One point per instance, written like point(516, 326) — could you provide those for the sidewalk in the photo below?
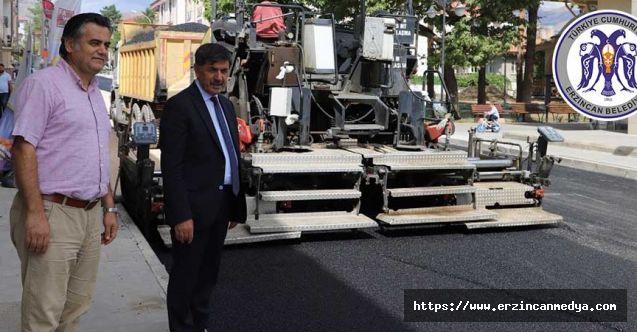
point(131, 284)
point(591, 150)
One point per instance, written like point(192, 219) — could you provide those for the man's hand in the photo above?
point(232, 225)
point(110, 228)
point(184, 231)
point(37, 227)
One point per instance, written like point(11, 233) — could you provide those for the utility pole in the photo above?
point(14, 24)
point(504, 95)
point(239, 11)
point(213, 11)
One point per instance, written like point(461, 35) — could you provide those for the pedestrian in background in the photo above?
point(200, 169)
point(61, 160)
point(490, 122)
point(6, 85)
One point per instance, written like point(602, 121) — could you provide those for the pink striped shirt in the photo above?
point(70, 130)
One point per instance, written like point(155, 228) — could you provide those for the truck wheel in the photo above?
point(117, 113)
point(147, 113)
point(136, 115)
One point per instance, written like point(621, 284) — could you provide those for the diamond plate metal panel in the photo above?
point(363, 127)
point(317, 221)
point(426, 157)
point(317, 161)
point(418, 166)
point(415, 160)
point(434, 215)
point(307, 195)
point(502, 193)
point(316, 156)
point(311, 168)
point(365, 152)
point(240, 235)
point(430, 191)
point(518, 217)
point(352, 96)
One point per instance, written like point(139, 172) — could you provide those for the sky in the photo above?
point(553, 13)
point(122, 5)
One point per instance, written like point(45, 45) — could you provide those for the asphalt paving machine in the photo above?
point(334, 138)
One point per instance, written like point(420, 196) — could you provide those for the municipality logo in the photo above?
point(594, 65)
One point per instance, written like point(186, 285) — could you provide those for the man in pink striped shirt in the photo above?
point(61, 158)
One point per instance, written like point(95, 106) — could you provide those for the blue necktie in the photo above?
point(234, 163)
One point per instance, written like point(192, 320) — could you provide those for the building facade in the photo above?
point(173, 12)
point(8, 31)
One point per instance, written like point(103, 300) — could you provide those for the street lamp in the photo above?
point(433, 12)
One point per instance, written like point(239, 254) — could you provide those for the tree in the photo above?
point(526, 86)
point(147, 16)
point(223, 6)
point(36, 24)
point(487, 31)
point(342, 9)
point(116, 17)
point(474, 42)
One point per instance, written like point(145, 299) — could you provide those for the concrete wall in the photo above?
point(5, 30)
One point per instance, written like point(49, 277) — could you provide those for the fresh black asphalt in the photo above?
point(356, 281)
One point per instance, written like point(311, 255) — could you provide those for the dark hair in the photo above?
point(211, 53)
point(74, 27)
point(2, 64)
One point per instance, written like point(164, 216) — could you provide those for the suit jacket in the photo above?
point(192, 161)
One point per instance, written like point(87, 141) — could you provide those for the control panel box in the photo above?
point(378, 40)
point(144, 133)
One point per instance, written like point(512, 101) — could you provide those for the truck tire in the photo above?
point(136, 114)
point(117, 113)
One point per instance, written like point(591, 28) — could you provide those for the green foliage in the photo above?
point(474, 41)
point(224, 7)
point(115, 16)
point(349, 9)
point(147, 16)
point(36, 24)
point(496, 80)
point(112, 13)
point(467, 80)
point(37, 13)
point(417, 80)
point(342, 10)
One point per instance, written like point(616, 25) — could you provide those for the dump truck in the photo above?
point(334, 138)
point(153, 63)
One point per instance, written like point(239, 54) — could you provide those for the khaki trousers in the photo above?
point(57, 286)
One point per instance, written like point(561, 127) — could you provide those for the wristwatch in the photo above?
point(110, 210)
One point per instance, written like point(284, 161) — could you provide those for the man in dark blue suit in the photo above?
point(200, 168)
